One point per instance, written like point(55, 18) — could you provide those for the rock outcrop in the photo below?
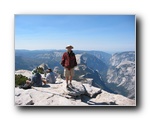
point(121, 76)
point(81, 94)
point(26, 73)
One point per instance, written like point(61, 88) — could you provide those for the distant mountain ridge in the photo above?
point(113, 73)
point(28, 59)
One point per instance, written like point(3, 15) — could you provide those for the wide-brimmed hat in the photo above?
point(69, 46)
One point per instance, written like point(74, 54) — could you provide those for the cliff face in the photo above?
point(81, 94)
point(121, 74)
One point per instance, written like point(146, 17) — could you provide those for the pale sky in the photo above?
point(84, 32)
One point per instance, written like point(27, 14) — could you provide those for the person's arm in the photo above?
point(75, 61)
point(31, 81)
point(63, 60)
point(46, 78)
point(56, 75)
point(44, 81)
point(28, 81)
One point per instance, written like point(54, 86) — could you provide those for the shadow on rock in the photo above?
point(46, 86)
point(101, 103)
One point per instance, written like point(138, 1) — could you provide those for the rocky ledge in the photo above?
point(80, 94)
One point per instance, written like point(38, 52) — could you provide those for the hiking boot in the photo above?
point(67, 86)
point(71, 85)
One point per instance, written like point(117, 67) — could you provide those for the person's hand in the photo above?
point(28, 82)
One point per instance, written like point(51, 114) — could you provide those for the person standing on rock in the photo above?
point(69, 62)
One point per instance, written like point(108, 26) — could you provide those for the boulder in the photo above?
point(77, 89)
point(106, 98)
point(22, 97)
point(91, 91)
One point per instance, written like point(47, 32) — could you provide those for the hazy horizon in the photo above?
point(110, 52)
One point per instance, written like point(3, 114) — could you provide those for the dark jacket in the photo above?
point(36, 80)
point(69, 60)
